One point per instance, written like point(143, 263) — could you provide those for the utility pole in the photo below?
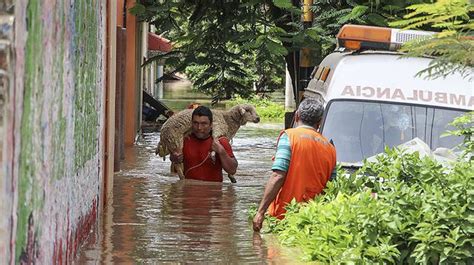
point(304, 63)
point(306, 54)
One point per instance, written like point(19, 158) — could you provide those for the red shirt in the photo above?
point(197, 158)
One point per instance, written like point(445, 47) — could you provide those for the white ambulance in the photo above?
point(374, 99)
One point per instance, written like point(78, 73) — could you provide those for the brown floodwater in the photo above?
point(154, 217)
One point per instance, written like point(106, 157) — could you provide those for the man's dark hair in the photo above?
point(203, 111)
point(311, 111)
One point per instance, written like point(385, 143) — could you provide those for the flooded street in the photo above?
point(154, 217)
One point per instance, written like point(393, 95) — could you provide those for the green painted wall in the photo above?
point(60, 90)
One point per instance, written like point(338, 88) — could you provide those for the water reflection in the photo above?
point(197, 212)
point(155, 218)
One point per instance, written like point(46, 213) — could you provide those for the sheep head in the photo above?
point(247, 114)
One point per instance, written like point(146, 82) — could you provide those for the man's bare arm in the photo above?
point(272, 188)
point(229, 164)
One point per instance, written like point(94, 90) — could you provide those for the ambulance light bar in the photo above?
point(357, 37)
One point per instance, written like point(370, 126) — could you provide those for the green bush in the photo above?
point(400, 209)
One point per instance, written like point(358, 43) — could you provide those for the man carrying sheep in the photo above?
point(303, 163)
point(197, 157)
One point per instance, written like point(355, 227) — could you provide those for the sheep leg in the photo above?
point(158, 149)
point(232, 179)
point(179, 168)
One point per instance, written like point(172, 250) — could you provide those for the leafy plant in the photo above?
point(453, 47)
point(465, 129)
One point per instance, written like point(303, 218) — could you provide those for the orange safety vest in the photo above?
point(312, 161)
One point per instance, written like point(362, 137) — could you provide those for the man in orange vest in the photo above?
point(303, 163)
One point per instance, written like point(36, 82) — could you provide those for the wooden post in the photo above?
point(121, 77)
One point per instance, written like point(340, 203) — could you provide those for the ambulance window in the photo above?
point(362, 129)
point(442, 118)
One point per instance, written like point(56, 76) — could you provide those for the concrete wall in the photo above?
point(6, 81)
point(55, 129)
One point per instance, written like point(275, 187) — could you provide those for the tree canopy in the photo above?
point(226, 46)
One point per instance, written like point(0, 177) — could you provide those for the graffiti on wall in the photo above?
point(59, 96)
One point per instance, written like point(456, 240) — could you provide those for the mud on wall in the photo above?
point(56, 127)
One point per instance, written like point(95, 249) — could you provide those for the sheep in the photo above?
point(225, 123)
